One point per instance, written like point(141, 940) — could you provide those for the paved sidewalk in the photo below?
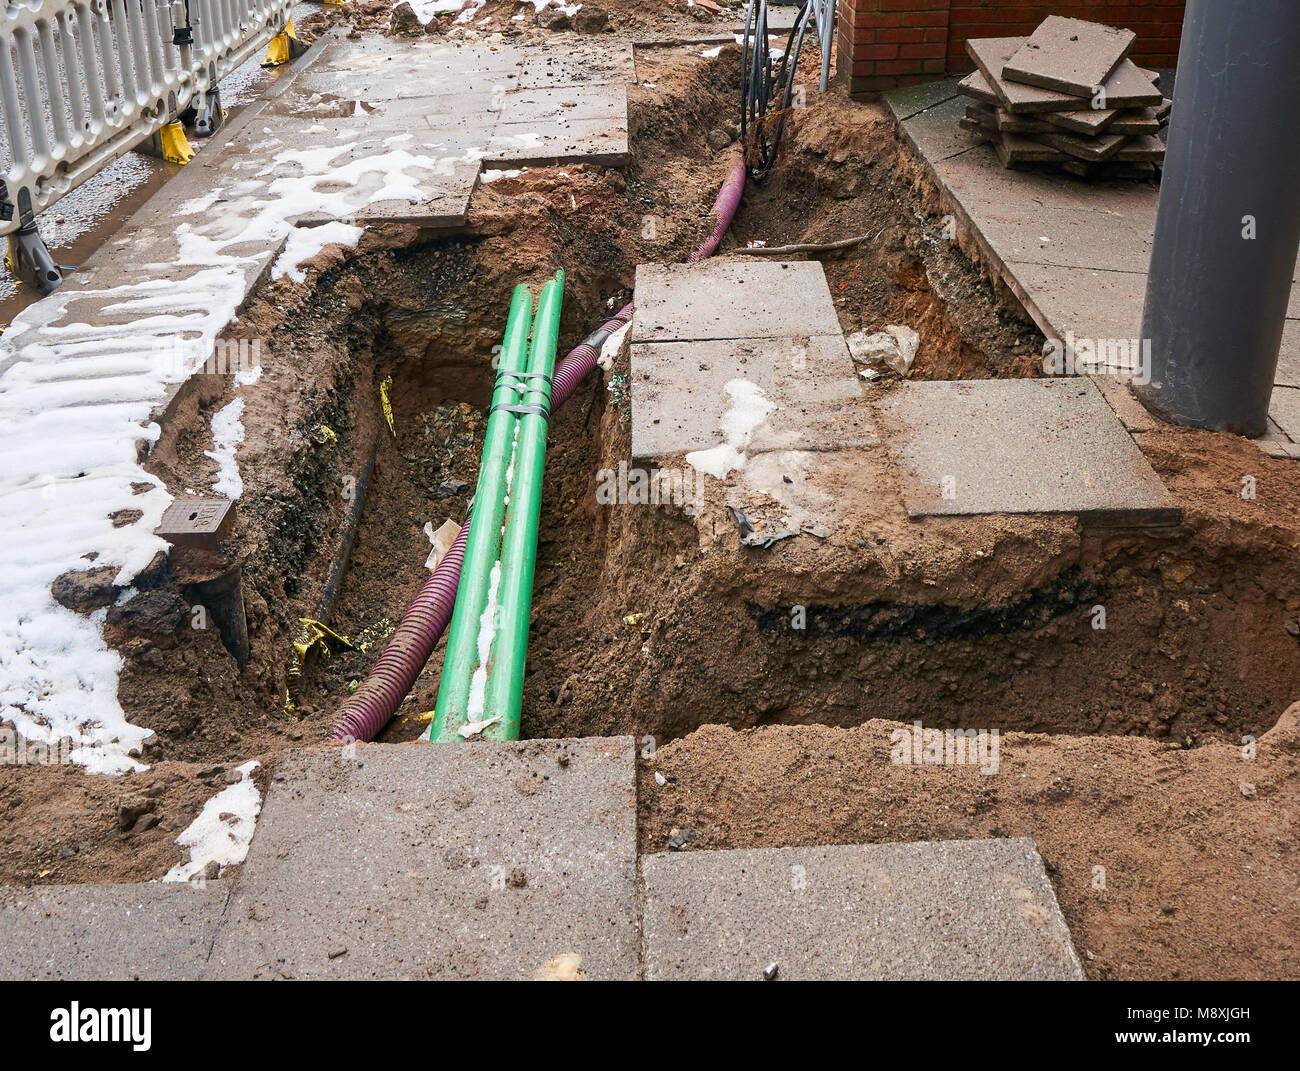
point(1075, 254)
point(518, 860)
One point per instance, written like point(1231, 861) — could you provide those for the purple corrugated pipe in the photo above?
point(724, 208)
point(373, 704)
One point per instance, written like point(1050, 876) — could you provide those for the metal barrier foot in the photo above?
point(284, 47)
point(30, 262)
point(172, 144)
point(208, 114)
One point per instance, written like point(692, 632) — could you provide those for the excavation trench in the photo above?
point(642, 623)
point(760, 674)
point(649, 620)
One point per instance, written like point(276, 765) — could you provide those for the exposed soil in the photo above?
point(1167, 863)
point(657, 624)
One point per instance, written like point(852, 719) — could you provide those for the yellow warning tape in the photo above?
point(384, 401)
point(316, 637)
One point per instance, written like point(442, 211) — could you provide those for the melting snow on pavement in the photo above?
point(747, 411)
point(75, 397)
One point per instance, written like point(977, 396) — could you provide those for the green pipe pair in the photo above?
point(483, 669)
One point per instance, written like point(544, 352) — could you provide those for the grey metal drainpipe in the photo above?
point(1228, 221)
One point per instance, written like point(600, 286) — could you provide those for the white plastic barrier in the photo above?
point(83, 81)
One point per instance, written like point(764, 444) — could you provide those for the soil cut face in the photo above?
point(1121, 746)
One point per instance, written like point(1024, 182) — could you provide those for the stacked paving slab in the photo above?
point(1067, 97)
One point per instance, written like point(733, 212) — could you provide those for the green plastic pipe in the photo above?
point(482, 549)
point(505, 681)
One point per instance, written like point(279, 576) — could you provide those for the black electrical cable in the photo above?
point(762, 84)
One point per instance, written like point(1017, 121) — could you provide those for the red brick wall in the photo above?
point(887, 43)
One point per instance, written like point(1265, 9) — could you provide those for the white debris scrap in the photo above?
point(440, 541)
point(227, 434)
point(896, 346)
point(612, 345)
point(223, 830)
point(748, 409)
point(474, 728)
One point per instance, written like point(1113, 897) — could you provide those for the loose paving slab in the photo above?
point(1088, 279)
point(1021, 446)
point(482, 860)
point(938, 910)
point(680, 401)
point(162, 931)
point(1069, 55)
point(699, 329)
point(732, 299)
point(1126, 87)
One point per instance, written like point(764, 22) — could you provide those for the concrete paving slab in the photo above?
point(1021, 446)
point(160, 931)
point(911, 100)
point(1284, 408)
point(780, 17)
point(1068, 238)
point(1089, 121)
point(476, 860)
point(732, 299)
point(1086, 147)
point(976, 86)
point(1127, 87)
point(578, 63)
point(578, 141)
point(979, 184)
point(1288, 356)
point(606, 100)
point(937, 910)
point(1069, 55)
point(1016, 149)
point(1087, 302)
point(997, 119)
point(938, 133)
point(680, 400)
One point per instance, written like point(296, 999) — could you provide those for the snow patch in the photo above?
point(223, 830)
point(748, 409)
point(487, 629)
point(227, 434)
point(305, 242)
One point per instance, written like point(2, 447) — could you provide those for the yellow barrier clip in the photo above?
point(175, 145)
point(283, 47)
